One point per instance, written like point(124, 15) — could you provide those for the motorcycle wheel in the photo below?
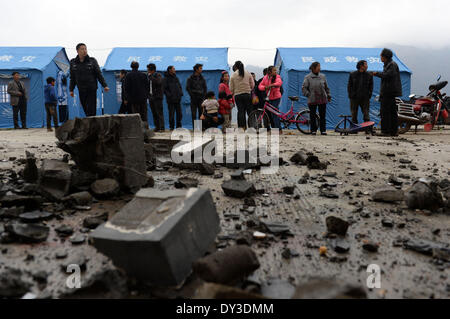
point(404, 128)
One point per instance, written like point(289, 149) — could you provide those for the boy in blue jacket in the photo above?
point(50, 103)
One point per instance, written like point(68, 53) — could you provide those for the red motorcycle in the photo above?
point(430, 110)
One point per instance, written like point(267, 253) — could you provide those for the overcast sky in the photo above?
point(261, 25)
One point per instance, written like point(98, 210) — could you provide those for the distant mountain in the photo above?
point(426, 65)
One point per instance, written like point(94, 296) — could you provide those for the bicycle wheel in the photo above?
point(258, 120)
point(304, 122)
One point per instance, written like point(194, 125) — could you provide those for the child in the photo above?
point(210, 115)
point(225, 107)
point(50, 104)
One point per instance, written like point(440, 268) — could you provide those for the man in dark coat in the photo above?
point(391, 87)
point(174, 93)
point(18, 97)
point(84, 74)
point(197, 89)
point(156, 96)
point(123, 106)
point(360, 90)
point(136, 92)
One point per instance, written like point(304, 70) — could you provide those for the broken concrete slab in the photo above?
point(55, 179)
point(112, 146)
point(159, 234)
point(388, 194)
point(238, 188)
point(105, 188)
point(228, 265)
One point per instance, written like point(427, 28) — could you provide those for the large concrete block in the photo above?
point(159, 234)
point(112, 146)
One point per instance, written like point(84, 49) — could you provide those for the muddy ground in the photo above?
point(405, 274)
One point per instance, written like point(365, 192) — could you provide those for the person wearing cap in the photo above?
point(391, 87)
point(19, 97)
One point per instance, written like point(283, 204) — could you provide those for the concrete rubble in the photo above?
point(110, 146)
point(158, 235)
point(228, 265)
point(140, 224)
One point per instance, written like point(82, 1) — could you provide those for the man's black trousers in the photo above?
point(88, 99)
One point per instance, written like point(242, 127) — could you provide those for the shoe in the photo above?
point(314, 134)
point(49, 130)
point(25, 128)
point(324, 134)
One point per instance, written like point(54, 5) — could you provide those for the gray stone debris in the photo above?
point(28, 233)
point(337, 226)
point(238, 188)
point(228, 265)
point(424, 195)
point(388, 194)
point(30, 172)
point(105, 188)
point(55, 179)
point(159, 234)
point(111, 146)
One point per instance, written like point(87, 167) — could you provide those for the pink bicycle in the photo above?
point(259, 119)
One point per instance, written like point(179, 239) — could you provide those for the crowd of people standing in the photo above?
point(240, 90)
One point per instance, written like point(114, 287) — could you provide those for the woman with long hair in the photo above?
point(272, 83)
point(315, 88)
point(241, 86)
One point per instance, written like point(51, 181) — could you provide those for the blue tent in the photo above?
point(337, 64)
point(214, 61)
point(35, 64)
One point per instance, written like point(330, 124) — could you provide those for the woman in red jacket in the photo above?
point(226, 101)
point(272, 82)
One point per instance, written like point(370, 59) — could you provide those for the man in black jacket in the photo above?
point(391, 87)
point(174, 93)
point(197, 89)
point(136, 92)
point(84, 73)
point(360, 90)
point(156, 96)
point(124, 105)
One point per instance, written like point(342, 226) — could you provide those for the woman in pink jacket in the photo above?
point(272, 82)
